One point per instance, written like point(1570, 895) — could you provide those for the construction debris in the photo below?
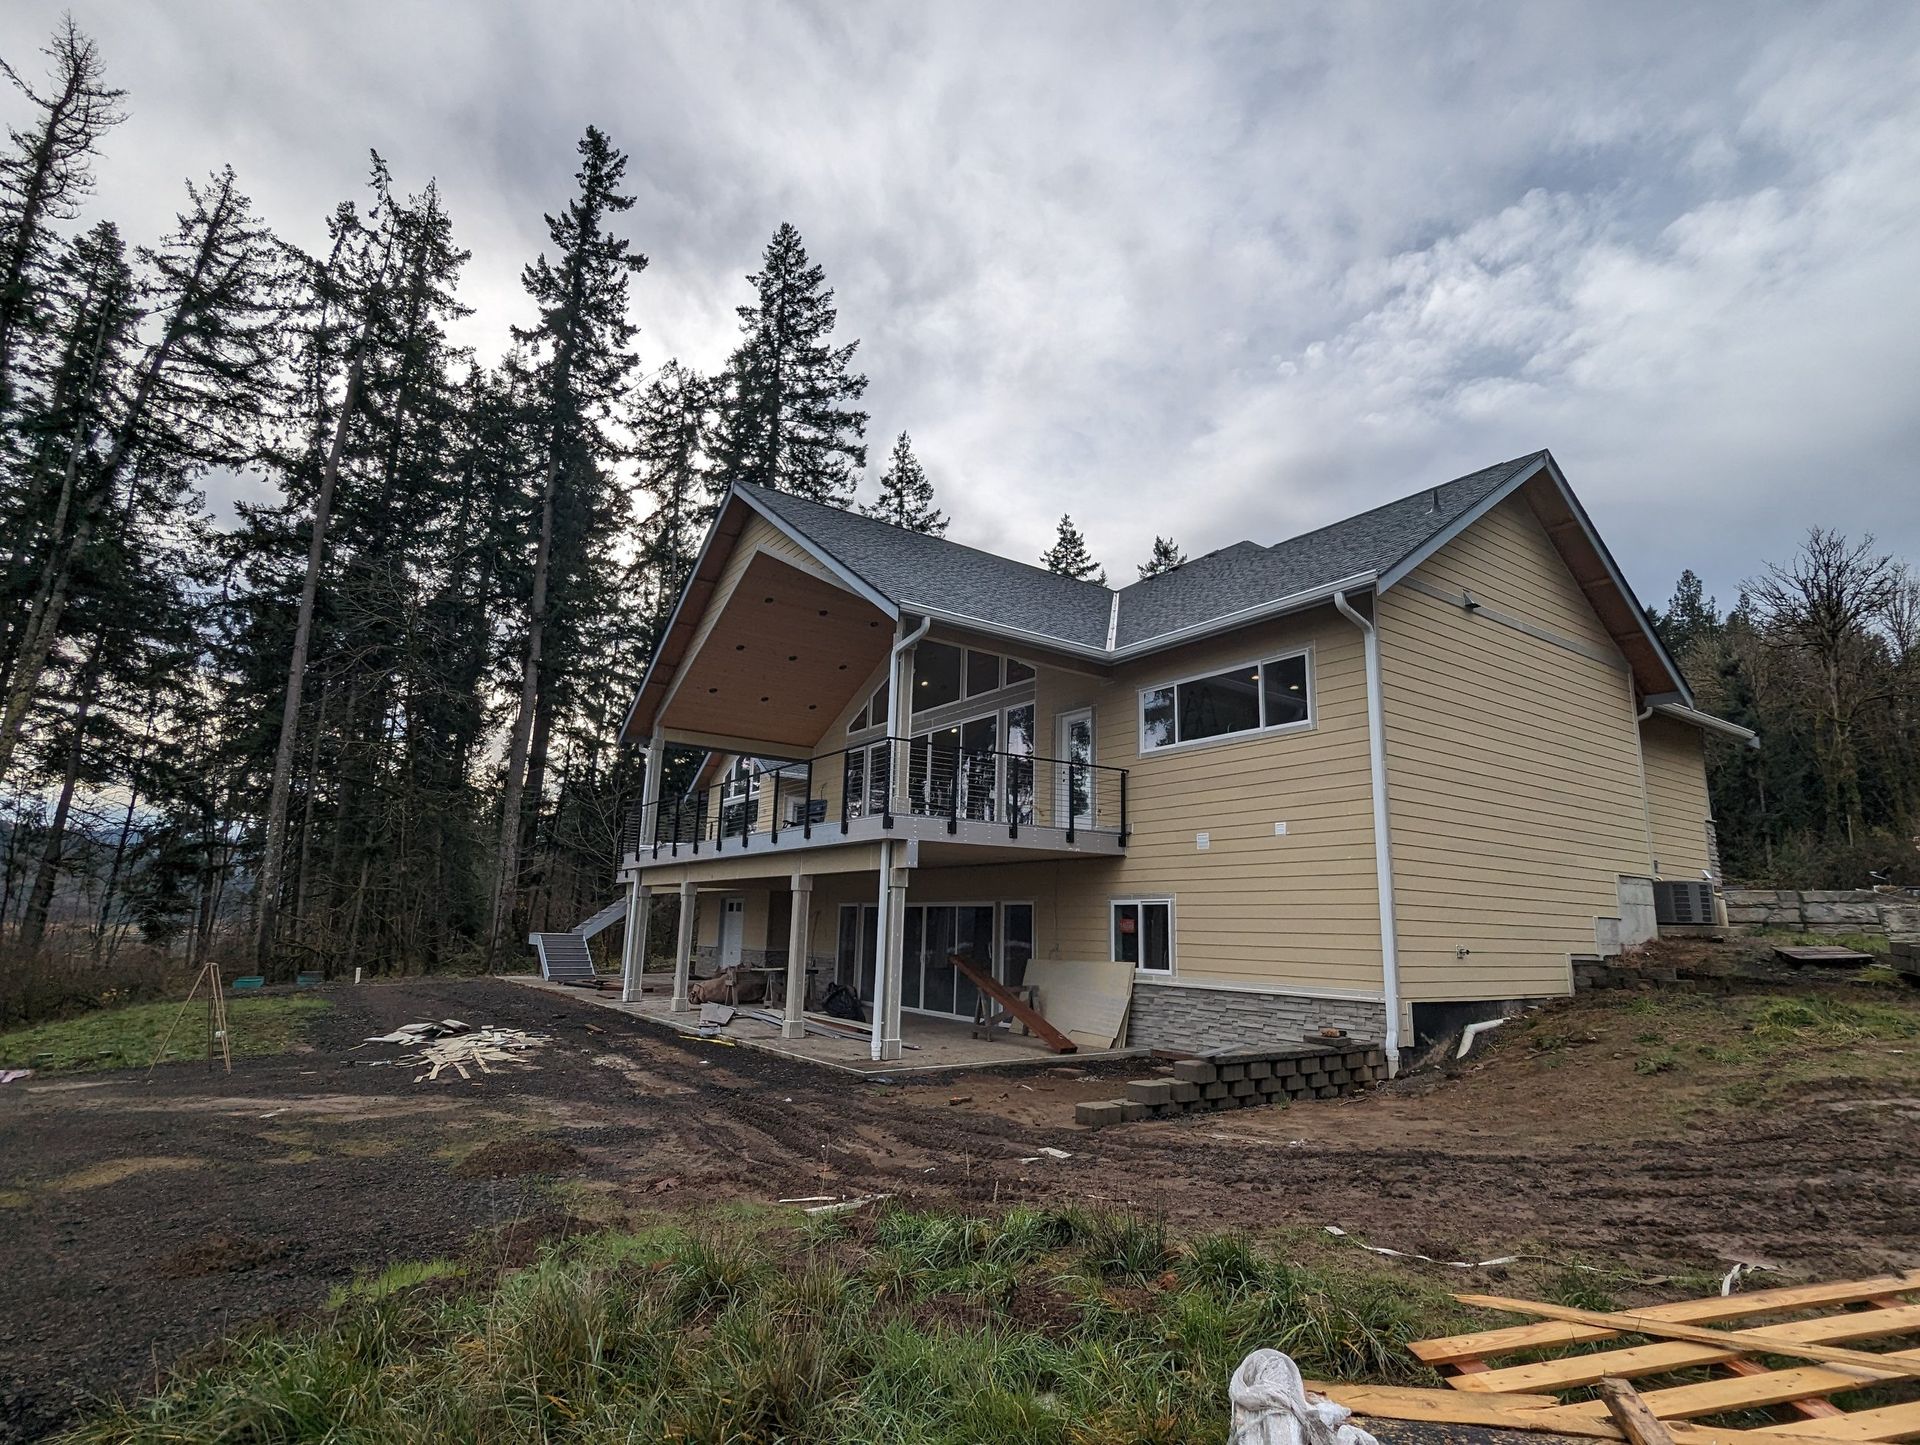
point(9, 1076)
point(1806, 1322)
point(422, 1033)
point(451, 1048)
point(846, 1204)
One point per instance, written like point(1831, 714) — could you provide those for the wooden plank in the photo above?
point(1811, 1408)
point(1449, 1349)
point(1639, 1424)
point(1733, 1342)
point(1886, 1422)
point(1674, 1355)
point(1497, 1412)
point(1015, 1005)
point(1753, 1391)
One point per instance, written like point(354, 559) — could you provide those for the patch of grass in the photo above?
point(393, 1279)
point(1657, 1061)
point(759, 1329)
point(128, 1038)
point(1831, 1023)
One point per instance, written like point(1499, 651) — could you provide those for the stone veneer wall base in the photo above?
point(1203, 1020)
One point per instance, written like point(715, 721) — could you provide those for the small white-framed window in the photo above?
point(1143, 933)
point(1273, 694)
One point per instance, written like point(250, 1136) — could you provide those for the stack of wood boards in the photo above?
point(1705, 1368)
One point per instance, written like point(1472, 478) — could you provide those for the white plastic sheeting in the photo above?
point(1271, 1406)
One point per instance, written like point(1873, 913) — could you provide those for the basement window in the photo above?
point(1143, 933)
point(1265, 696)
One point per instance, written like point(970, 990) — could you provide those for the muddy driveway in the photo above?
point(143, 1219)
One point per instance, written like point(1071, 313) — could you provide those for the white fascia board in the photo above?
point(1399, 571)
point(855, 583)
point(680, 602)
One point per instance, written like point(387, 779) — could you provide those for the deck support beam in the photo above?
point(683, 949)
point(799, 933)
point(633, 953)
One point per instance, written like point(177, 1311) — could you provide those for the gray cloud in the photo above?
point(1219, 271)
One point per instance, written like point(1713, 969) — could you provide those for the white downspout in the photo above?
point(1382, 849)
point(897, 708)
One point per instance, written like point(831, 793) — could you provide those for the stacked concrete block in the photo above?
point(1905, 957)
point(1831, 910)
point(1243, 1079)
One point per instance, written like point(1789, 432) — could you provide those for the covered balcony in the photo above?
point(940, 790)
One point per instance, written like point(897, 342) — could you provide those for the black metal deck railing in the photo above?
point(825, 795)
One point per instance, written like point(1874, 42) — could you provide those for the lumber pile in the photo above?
point(1690, 1373)
point(1242, 1079)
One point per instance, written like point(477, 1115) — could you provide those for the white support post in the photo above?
point(683, 949)
point(633, 955)
point(887, 1005)
point(650, 794)
point(799, 935)
point(900, 715)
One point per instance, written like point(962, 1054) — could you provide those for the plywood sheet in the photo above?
point(1086, 1001)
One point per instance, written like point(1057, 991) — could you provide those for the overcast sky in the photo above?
point(1219, 271)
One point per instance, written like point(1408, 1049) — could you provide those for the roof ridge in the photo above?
point(759, 490)
point(1508, 467)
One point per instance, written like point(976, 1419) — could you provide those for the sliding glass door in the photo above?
point(929, 981)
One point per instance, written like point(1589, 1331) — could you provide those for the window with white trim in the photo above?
point(1264, 696)
point(1143, 933)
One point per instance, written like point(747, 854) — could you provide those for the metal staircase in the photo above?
point(564, 957)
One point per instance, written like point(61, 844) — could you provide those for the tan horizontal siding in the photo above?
point(1677, 800)
point(1511, 564)
point(1253, 909)
point(1514, 769)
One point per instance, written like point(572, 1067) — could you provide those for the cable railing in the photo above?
point(829, 793)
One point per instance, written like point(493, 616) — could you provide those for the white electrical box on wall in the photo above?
point(1279, 830)
point(1203, 841)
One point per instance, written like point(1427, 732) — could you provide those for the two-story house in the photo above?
point(1424, 758)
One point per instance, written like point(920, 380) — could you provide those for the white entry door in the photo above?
point(1074, 744)
point(733, 927)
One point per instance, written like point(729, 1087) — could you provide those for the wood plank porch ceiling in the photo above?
point(782, 661)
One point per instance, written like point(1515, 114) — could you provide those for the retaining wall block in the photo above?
point(1150, 1091)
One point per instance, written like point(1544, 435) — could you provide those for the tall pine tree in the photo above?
point(1069, 557)
point(906, 494)
point(44, 175)
point(788, 420)
point(673, 438)
point(581, 355)
point(1164, 558)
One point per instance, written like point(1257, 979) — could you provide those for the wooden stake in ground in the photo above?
point(1639, 1424)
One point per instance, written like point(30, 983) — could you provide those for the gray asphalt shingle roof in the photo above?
point(908, 567)
point(911, 569)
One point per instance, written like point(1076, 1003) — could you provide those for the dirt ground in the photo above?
point(142, 1220)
